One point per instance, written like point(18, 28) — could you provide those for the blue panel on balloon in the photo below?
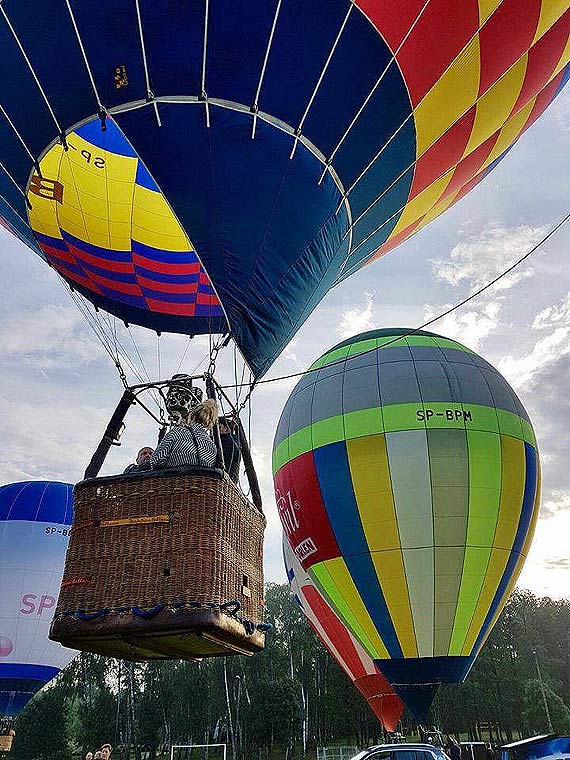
point(38, 501)
point(251, 213)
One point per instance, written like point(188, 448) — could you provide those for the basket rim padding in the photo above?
point(216, 473)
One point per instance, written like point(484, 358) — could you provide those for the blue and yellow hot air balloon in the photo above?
point(35, 520)
point(407, 480)
point(216, 166)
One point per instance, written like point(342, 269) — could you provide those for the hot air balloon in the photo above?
point(407, 481)
point(341, 644)
point(217, 166)
point(35, 519)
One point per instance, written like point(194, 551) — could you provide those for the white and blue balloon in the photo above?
point(35, 520)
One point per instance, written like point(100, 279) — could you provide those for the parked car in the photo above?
point(402, 752)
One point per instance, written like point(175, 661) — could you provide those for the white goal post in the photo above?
point(204, 755)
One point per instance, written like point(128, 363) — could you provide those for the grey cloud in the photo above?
point(558, 563)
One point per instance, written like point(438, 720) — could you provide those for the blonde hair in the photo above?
point(205, 414)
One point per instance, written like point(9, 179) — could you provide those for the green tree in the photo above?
point(535, 711)
point(42, 729)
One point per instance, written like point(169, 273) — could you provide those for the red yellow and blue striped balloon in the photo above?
point(341, 643)
point(407, 479)
point(219, 165)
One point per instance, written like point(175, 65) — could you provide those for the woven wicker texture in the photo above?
point(187, 538)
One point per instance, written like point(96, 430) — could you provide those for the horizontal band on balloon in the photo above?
point(128, 275)
point(388, 340)
point(400, 417)
point(421, 375)
point(154, 259)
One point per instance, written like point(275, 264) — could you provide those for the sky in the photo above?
point(58, 386)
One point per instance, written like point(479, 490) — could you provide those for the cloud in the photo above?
point(557, 563)
point(52, 335)
point(473, 263)
point(289, 353)
point(520, 371)
point(548, 403)
point(547, 350)
point(481, 257)
point(553, 316)
point(557, 501)
point(357, 319)
point(51, 445)
point(546, 569)
point(469, 327)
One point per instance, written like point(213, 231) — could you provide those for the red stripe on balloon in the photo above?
point(207, 299)
point(167, 307)
point(74, 277)
point(446, 152)
point(437, 37)
point(129, 288)
point(469, 167)
point(388, 708)
point(168, 287)
point(397, 239)
point(374, 687)
point(543, 100)
point(469, 186)
point(58, 253)
point(336, 631)
point(302, 511)
point(393, 18)
point(161, 267)
point(505, 37)
point(120, 267)
point(543, 59)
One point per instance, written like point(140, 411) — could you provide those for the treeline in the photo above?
point(293, 697)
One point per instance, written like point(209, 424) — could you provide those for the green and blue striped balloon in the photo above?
point(407, 479)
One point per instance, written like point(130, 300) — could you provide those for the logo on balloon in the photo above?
point(34, 604)
point(305, 549)
point(287, 507)
point(6, 646)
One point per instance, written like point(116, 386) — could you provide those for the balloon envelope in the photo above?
point(35, 519)
point(407, 481)
point(255, 153)
point(342, 645)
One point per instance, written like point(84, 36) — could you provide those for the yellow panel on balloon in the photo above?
point(452, 95)
point(494, 107)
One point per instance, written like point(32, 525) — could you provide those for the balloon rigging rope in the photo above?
point(425, 324)
point(108, 342)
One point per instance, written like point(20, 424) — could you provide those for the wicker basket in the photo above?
point(168, 564)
